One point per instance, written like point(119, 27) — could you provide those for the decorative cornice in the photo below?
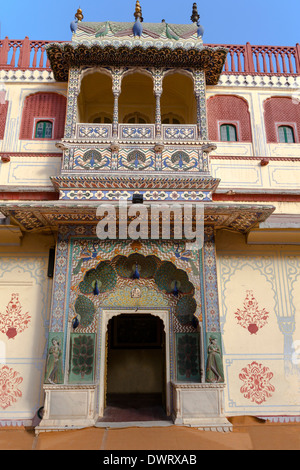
point(31, 154)
point(256, 158)
point(29, 75)
point(48, 387)
point(260, 80)
point(136, 182)
point(40, 216)
point(135, 53)
point(198, 386)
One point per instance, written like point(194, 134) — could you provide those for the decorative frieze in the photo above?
point(94, 131)
point(102, 158)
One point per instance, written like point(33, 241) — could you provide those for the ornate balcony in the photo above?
point(137, 133)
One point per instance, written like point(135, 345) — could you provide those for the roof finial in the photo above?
point(195, 15)
point(79, 14)
point(138, 11)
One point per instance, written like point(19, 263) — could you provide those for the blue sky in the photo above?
point(269, 22)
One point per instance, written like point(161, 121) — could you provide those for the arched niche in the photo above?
point(137, 98)
point(178, 98)
point(45, 106)
point(152, 294)
point(229, 110)
point(281, 111)
point(95, 100)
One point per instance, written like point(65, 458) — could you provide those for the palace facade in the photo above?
point(148, 114)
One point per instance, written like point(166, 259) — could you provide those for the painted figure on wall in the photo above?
point(54, 373)
point(214, 366)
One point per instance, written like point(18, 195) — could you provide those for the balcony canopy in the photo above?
point(117, 44)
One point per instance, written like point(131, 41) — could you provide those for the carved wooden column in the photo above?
point(200, 93)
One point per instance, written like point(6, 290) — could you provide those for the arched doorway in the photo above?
point(136, 367)
point(136, 285)
point(135, 387)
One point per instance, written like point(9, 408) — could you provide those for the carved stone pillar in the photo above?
point(200, 93)
point(157, 83)
point(117, 74)
point(73, 92)
point(213, 337)
point(158, 116)
point(115, 115)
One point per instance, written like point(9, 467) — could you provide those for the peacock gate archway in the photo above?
point(132, 317)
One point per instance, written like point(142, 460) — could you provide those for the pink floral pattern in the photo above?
point(13, 321)
point(250, 317)
point(257, 386)
point(9, 382)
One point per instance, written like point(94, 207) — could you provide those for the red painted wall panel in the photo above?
point(279, 111)
point(228, 109)
point(45, 106)
point(3, 115)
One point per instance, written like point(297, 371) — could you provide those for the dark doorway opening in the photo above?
point(136, 381)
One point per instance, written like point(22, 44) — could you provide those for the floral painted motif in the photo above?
point(9, 382)
point(14, 321)
point(257, 386)
point(251, 317)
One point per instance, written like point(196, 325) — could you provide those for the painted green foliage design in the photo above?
point(188, 360)
point(82, 358)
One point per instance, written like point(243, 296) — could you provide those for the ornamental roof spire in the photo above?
point(138, 11)
point(79, 14)
point(195, 15)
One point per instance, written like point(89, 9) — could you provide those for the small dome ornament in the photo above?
point(138, 11)
point(78, 18)
point(195, 15)
point(195, 18)
point(79, 14)
point(137, 27)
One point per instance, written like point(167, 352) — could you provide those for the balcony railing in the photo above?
point(137, 132)
point(25, 54)
point(264, 60)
